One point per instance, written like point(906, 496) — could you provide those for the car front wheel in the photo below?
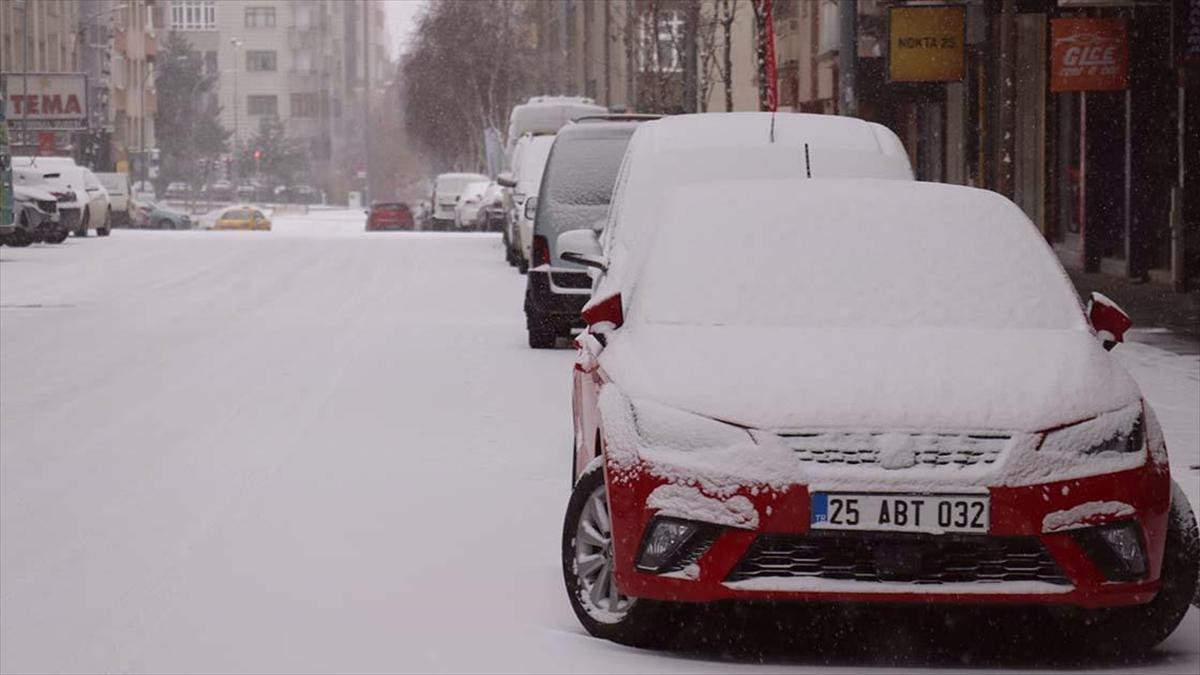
point(105, 229)
point(587, 562)
point(84, 221)
point(1133, 630)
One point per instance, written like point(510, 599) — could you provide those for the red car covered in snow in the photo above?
point(389, 216)
point(850, 390)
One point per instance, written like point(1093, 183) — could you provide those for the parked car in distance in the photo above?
point(389, 216)
point(117, 185)
point(65, 180)
point(220, 191)
point(243, 218)
point(468, 211)
point(576, 188)
point(529, 161)
point(37, 217)
point(178, 191)
point(957, 430)
point(159, 216)
point(493, 217)
point(446, 191)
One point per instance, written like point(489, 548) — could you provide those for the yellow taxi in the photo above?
point(243, 218)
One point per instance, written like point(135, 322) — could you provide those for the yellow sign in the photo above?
point(926, 44)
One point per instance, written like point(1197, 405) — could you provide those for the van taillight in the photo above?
point(541, 250)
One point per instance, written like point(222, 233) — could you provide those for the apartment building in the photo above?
point(632, 54)
point(113, 43)
point(39, 36)
point(301, 61)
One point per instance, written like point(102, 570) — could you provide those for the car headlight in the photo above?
point(660, 426)
point(1121, 431)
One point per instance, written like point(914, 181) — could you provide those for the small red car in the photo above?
point(860, 391)
point(389, 216)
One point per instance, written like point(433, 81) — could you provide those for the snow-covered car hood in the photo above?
point(25, 193)
point(922, 379)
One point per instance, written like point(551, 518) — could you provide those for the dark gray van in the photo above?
point(576, 188)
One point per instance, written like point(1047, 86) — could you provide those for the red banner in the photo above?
point(1088, 55)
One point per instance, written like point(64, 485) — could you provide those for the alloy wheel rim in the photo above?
point(598, 590)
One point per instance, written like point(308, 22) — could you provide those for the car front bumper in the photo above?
point(782, 558)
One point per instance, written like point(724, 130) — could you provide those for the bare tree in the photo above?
point(468, 66)
point(716, 63)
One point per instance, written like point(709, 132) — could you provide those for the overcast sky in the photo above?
point(402, 16)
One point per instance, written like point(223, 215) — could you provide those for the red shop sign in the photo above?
point(1088, 55)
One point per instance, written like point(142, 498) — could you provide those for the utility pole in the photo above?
point(848, 57)
point(25, 74)
point(1005, 175)
point(366, 107)
point(236, 42)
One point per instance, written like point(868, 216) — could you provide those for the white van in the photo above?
point(546, 115)
point(529, 161)
point(447, 190)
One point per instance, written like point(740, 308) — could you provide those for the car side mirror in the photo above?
point(506, 180)
point(581, 247)
point(1108, 320)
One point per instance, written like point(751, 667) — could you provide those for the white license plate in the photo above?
point(899, 512)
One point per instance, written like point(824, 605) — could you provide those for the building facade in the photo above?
point(113, 43)
point(301, 61)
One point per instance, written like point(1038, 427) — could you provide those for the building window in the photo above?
point(260, 17)
point(262, 105)
point(304, 105)
point(194, 15)
point(260, 60)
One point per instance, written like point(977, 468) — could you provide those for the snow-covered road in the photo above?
point(320, 450)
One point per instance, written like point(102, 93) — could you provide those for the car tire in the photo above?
point(107, 227)
point(84, 221)
point(636, 621)
point(542, 338)
point(1127, 631)
point(58, 236)
point(164, 224)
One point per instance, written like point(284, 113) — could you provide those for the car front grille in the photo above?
point(571, 279)
point(920, 559)
point(68, 218)
point(953, 450)
point(47, 205)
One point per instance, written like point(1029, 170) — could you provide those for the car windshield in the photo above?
point(583, 170)
point(854, 253)
point(237, 214)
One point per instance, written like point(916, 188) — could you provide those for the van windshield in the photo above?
point(584, 170)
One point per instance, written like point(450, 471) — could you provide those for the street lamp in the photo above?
point(237, 43)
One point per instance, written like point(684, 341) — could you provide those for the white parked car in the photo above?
point(117, 185)
point(528, 163)
point(446, 191)
point(83, 201)
point(468, 212)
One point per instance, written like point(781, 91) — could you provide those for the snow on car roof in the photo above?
point(739, 130)
point(869, 253)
